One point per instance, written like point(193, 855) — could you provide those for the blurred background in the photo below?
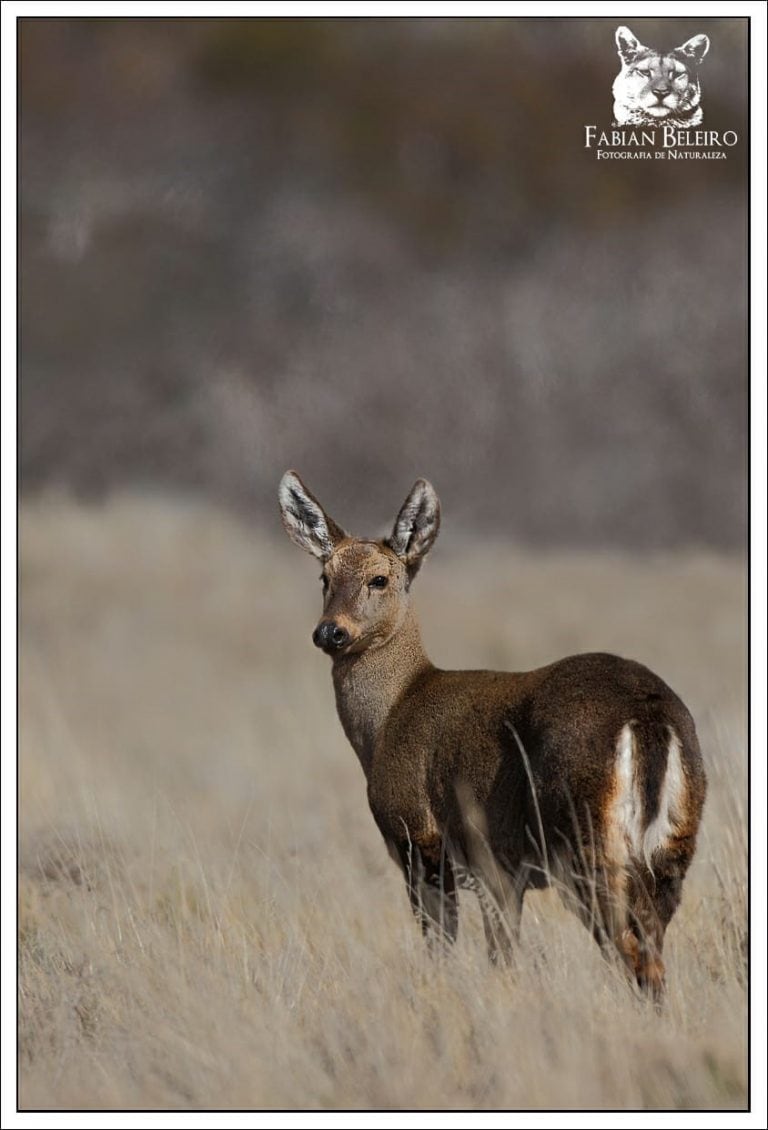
point(374, 249)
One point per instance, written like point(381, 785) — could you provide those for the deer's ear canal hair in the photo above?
point(416, 526)
point(304, 519)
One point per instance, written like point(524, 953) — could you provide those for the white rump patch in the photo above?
point(627, 815)
point(671, 802)
point(626, 818)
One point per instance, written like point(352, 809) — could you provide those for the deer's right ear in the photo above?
point(305, 521)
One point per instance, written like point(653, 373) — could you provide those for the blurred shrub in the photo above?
point(374, 249)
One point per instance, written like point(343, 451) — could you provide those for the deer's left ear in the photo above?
point(416, 526)
point(694, 49)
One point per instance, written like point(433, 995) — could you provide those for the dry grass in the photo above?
point(208, 917)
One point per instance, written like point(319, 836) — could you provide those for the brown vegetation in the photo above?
point(208, 917)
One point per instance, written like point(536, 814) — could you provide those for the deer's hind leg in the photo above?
point(646, 932)
point(654, 896)
point(597, 885)
point(599, 897)
point(627, 907)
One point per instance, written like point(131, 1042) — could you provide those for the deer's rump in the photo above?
point(592, 755)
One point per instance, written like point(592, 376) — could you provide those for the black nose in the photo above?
point(329, 636)
point(661, 91)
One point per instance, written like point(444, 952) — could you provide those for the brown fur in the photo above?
point(503, 781)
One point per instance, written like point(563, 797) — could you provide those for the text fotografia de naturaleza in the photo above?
point(669, 141)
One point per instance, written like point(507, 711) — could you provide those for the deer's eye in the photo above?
point(378, 583)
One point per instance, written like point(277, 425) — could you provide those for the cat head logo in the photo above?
point(656, 89)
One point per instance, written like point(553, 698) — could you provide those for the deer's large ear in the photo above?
point(416, 526)
point(628, 44)
point(694, 50)
point(304, 519)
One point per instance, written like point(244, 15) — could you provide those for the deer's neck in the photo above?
point(369, 685)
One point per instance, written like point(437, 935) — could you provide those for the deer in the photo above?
point(584, 775)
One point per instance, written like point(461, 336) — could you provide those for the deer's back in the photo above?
point(552, 731)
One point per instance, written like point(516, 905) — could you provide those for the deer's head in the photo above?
point(365, 582)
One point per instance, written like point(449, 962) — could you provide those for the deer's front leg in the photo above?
point(431, 887)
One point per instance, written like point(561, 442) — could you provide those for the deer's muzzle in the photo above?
point(330, 636)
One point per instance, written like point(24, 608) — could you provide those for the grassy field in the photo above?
point(208, 917)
